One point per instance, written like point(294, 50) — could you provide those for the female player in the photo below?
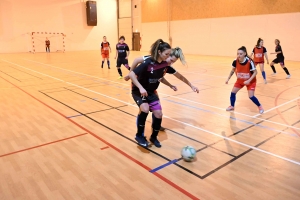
point(47, 44)
point(145, 80)
point(176, 54)
point(279, 59)
point(105, 50)
point(245, 71)
point(259, 52)
point(122, 54)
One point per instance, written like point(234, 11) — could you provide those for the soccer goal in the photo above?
point(57, 41)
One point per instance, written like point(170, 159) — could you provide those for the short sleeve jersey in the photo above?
point(259, 54)
point(279, 55)
point(243, 70)
point(122, 48)
point(47, 43)
point(105, 47)
point(148, 74)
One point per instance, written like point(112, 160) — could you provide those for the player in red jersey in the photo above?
point(105, 50)
point(260, 52)
point(246, 72)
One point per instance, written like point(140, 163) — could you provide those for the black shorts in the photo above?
point(152, 99)
point(122, 61)
point(277, 60)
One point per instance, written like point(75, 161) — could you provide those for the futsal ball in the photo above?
point(188, 153)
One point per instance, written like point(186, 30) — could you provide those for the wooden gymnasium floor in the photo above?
point(68, 126)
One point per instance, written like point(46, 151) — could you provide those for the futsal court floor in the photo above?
point(67, 132)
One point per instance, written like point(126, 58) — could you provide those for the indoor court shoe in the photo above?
point(141, 140)
point(261, 110)
point(102, 66)
point(162, 129)
point(274, 74)
point(120, 77)
point(108, 67)
point(155, 142)
point(265, 81)
point(230, 108)
point(288, 76)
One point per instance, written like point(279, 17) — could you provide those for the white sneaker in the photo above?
point(273, 74)
point(265, 81)
point(288, 76)
point(230, 108)
point(261, 110)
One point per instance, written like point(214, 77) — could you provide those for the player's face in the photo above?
point(104, 39)
point(261, 43)
point(276, 42)
point(241, 55)
point(165, 54)
point(171, 60)
point(121, 41)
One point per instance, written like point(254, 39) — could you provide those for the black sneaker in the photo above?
point(162, 129)
point(141, 140)
point(101, 66)
point(155, 142)
point(108, 67)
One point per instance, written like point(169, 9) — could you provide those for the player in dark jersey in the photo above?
point(122, 54)
point(145, 79)
point(279, 59)
point(47, 44)
point(105, 50)
point(245, 71)
point(260, 52)
point(176, 54)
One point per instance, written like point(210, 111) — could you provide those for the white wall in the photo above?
point(18, 18)
point(125, 21)
point(223, 36)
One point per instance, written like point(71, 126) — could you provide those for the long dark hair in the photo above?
point(258, 42)
point(159, 45)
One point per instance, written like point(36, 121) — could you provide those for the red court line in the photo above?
point(42, 145)
point(104, 148)
point(280, 114)
point(111, 146)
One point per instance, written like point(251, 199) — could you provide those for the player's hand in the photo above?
point(195, 89)
point(115, 57)
point(173, 87)
point(143, 92)
point(246, 82)
point(126, 58)
point(126, 78)
point(226, 82)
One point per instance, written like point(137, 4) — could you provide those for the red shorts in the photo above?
point(251, 86)
point(105, 55)
point(256, 63)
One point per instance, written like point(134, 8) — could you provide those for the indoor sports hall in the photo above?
point(69, 123)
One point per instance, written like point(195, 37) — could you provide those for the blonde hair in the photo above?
point(177, 52)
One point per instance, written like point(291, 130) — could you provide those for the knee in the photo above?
point(144, 108)
point(158, 114)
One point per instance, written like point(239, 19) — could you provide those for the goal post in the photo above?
point(57, 41)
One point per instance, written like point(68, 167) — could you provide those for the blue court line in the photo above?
point(163, 166)
point(245, 121)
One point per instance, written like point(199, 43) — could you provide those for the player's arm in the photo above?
point(230, 74)
point(266, 55)
point(127, 52)
point(164, 81)
point(251, 54)
point(253, 71)
point(109, 47)
point(116, 53)
point(183, 79)
point(134, 65)
point(137, 72)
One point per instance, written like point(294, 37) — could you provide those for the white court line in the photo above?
point(170, 95)
point(278, 106)
point(196, 127)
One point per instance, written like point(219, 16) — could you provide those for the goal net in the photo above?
point(57, 41)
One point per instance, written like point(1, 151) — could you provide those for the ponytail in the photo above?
point(159, 45)
point(258, 41)
point(177, 52)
